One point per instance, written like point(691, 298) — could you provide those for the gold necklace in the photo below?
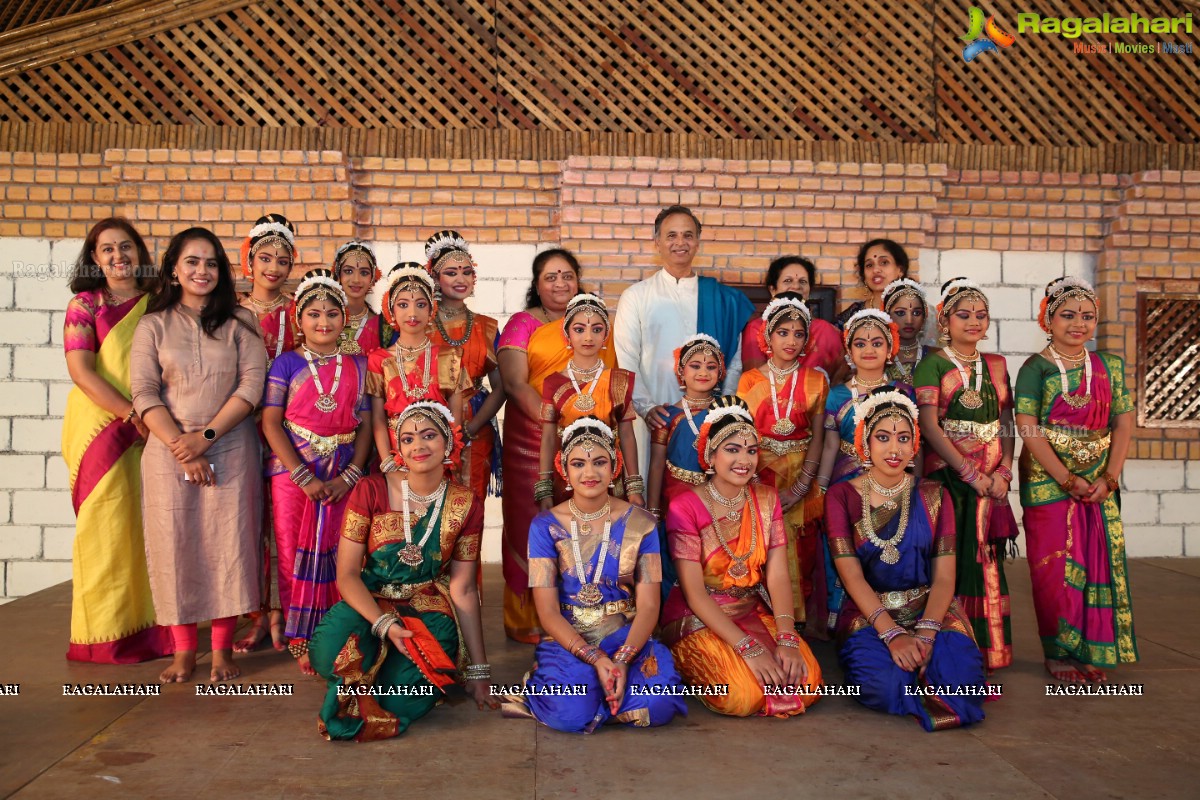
point(268, 306)
point(588, 519)
point(737, 569)
point(963, 356)
point(890, 548)
point(445, 312)
point(861, 384)
point(697, 403)
point(1069, 359)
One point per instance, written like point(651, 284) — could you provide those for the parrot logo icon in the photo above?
point(984, 36)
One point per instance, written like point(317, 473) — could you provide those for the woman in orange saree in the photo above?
point(531, 349)
point(728, 622)
point(787, 401)
point(466, 344)
point(112, 613)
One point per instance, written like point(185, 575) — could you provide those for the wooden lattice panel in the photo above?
point(1040, 91)
point(772, 71)
point(788, 70)
point(18, 13)
point(1169, 360)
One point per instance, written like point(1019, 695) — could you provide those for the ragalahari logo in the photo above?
point(984, 36)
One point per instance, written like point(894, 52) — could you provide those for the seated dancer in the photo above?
point(1076, 419)
point(316, 417)
point(728, 543)
point(871, 341)
point(674, 462)
point(893, 541)
point(594, 568)
point(586, 387)
point(409, 617)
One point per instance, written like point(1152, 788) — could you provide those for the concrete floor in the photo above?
point(181, 745)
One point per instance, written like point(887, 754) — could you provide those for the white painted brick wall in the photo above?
point(37, 522)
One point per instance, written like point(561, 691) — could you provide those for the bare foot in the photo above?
point(181, 669)
point(254, 636)
point(1093, 674)
point(223, 666)
point(278, 640)
point(306, 665)
point(1063, 671)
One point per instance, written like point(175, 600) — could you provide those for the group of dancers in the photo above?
point(687, 487)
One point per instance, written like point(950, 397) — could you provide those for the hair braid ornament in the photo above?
point(881, 320)
point(728, 416)
point(318, 284)
point(271, 229)
point(1059, 291)
point(441, 418)
point(875, 409)
point(705, 345)
point(405, 276)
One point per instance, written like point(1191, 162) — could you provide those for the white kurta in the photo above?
point(654, 317)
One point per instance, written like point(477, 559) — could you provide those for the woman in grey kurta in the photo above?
point(197, 369)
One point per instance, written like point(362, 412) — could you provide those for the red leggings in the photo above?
point(222, 635)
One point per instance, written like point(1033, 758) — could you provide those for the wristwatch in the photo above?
point(210, 434)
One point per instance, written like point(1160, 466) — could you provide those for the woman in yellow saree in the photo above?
point(112, 614)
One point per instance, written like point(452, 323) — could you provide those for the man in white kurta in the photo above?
point(656, 315)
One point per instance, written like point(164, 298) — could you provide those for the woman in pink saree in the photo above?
point(1076, 419)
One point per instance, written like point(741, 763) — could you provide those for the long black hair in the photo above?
point(87, 275)
point(222, 302)
point(532, 298)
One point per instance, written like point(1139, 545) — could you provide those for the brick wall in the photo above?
point(1010, 231)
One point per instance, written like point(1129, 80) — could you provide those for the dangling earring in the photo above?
point(867, 464)
point(611, 486)
point(174, 279)
point(944, 336)
point(570, 488)
point(447, 459)
point(569, 346)
point(710, 471)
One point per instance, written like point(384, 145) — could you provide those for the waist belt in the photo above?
point(899, 599)
point(737, 592)
point(686, 475)
point(1084, 449)
point(402, 591)
point(587, 617)
point(985, 432)
point(781, 447)
point(321, 445)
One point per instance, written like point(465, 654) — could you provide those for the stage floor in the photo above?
point(183, 745)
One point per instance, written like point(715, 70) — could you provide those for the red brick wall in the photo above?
point(1144, 227)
